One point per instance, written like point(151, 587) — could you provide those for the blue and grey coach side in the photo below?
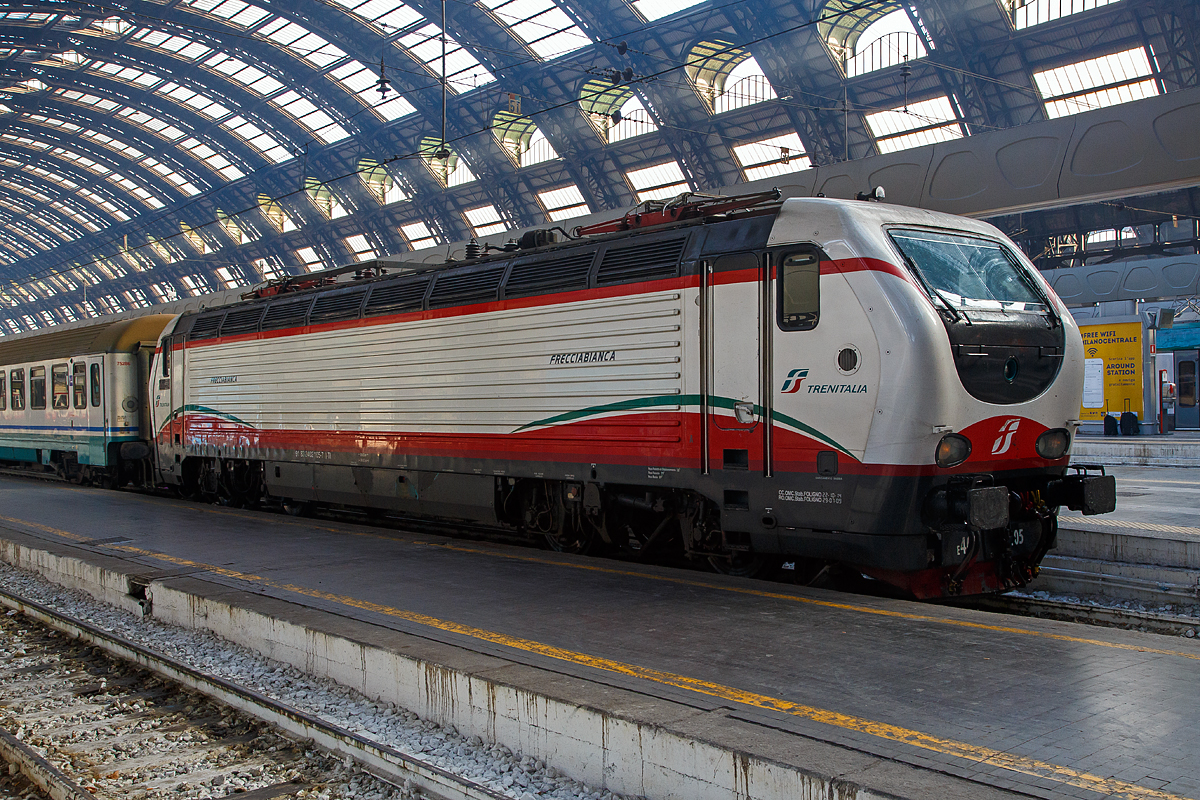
point(74, 399)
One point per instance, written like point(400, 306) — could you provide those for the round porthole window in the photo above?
point(1011, 368)
point(847, 360)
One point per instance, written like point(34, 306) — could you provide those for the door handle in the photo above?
point(743, 410)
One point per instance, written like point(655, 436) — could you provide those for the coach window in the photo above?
point(3, 393)
point(167, 346)
point(17, 386)
point(79, 383)
point(95, 372)
point(58, 386)
point(799, 291)
point(37, 387)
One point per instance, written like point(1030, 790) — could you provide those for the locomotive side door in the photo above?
point(732, 404)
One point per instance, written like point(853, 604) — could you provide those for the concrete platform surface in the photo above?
point(1175, 449)
point(890, 698)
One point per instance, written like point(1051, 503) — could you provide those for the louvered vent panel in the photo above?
point(397, 298)
point(641, 262)
point(476, 286)
point(333, 307)
point(544, 277)
point(285, 315)
point(206, 326)
point(243, 320)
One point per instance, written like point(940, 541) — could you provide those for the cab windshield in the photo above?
point(966, 272)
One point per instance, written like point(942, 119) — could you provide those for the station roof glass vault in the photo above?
point(158, 149)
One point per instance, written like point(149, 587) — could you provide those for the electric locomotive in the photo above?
point(736, 379)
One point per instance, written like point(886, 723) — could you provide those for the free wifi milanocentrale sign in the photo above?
point(1112, 381)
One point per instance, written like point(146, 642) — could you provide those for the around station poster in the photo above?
point(1112, 378)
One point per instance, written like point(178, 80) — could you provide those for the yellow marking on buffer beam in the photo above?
point(981, 756)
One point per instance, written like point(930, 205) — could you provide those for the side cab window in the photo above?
point(799, 289)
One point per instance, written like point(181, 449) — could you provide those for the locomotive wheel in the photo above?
point(572, 541)
point(738, 564)
point(296, 508)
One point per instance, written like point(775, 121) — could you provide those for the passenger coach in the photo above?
point(73, 399)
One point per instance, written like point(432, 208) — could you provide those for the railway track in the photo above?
point(334, 741)
point(78, 723)
point(87, 713)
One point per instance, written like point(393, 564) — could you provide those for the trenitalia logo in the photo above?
point(794, 378)
point(1001, 445)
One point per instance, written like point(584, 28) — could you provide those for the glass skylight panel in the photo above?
point(163, 252)
point(111, 27)
point(85, 99)
point(418, 235)
point(301, 42)
point(463, 71)
point(128, 74)
point(24, 18)
point(657, 9)
point(25, 141)
point(658, 181)
point(249, 76)
point(634, 121)
point(75, 215)
point(164, 292)
point(136, 298)
point(1027, 13)
point(151, 124)
point(929, 121)
point(269, 268)
point(307, 114)
point(239, 13)
point(745, 86)
point(1096, 83)
point(888, 41)
point(26, 87)
point(539, 150)
point(541, 24)
point(194, 284)
point(212, 158)
point(386, 16)
point(359, 80)
point(204, 105)
point(360, 248)
point(485, 220)
point(257, 138)
point(778, 155)
point(309, 259)
point(563, 203)
point(230, 278)
point(176, 45)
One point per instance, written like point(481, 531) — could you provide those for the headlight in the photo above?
point(952, 450)
point(1053, 444)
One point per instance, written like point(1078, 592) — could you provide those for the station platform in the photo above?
point(1147, 550)
point(1174, 449)
point(648, 681)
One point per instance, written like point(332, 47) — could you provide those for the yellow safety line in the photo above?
point(1121, 523)
point(978, 755)
point(880, 612)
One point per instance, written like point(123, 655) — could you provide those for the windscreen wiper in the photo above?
point(954, 312)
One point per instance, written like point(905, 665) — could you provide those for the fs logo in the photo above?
point(1001, 445)
point(794, 378)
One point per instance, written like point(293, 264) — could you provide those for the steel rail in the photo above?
point(387, 763)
